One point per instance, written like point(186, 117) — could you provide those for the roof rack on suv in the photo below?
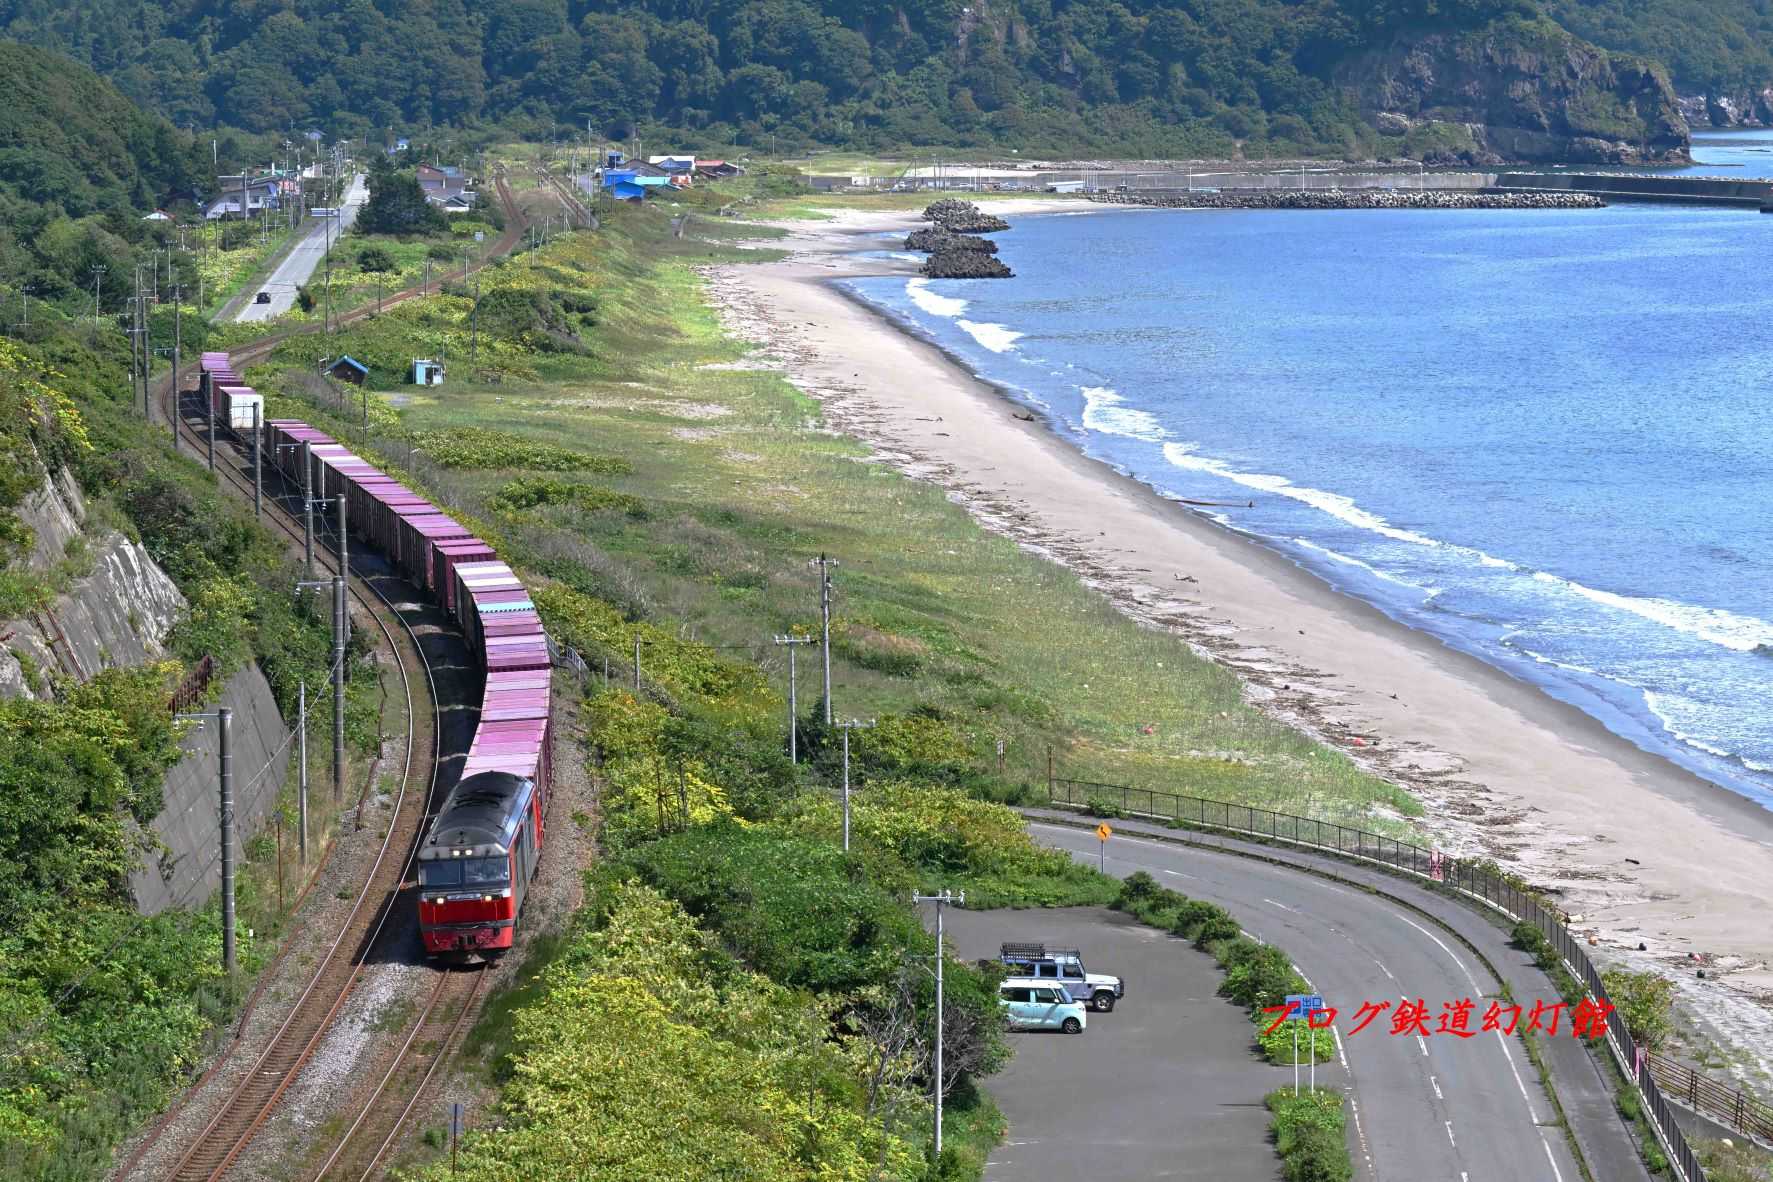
point(1023, 950)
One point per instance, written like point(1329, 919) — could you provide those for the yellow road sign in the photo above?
point(1103, 831)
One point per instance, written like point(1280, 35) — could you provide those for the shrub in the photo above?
point(1259, 975)
point(1101, 806)
point(1215, 929)
point(1645, 1001)
point(375, 259)
point(1309, 1135)
point(1529, 939)
point(1193, 915)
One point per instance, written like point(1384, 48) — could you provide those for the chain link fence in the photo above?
point(1472, 879)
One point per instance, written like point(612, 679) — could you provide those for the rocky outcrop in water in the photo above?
point(962, 217)
point(1356, 199)
point(965, 264)
point(936, 241)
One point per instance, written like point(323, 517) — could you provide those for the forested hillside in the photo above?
point(1709, 46)
point(1180, 77)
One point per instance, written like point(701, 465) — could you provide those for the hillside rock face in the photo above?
point(1522, 91)
point(1738, 108)
point(116, 611)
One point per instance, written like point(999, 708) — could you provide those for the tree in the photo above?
point(397, 205)
point(375, 259)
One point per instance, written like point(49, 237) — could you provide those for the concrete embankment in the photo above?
point(1753, 194)
point(1355, 199)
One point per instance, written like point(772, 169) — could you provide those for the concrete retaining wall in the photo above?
point(189, 870)
point(1645, 188)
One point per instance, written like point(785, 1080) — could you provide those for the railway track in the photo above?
point(440, 1026)
point(430, 1042)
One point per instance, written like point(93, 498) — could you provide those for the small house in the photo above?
point(426, 372)
point(159, 215)
point(717, 170)
point(349, 369)
point(627, 190)
point(441, 182)
point(683, 165)
point(257, 194)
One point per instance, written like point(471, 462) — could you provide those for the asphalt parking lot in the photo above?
point(1166, 1086)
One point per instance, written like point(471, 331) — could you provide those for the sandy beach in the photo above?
point(1642, 850)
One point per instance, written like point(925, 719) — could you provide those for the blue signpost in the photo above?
point(1300, 1007)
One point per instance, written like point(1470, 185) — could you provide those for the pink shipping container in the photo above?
point(444, 558)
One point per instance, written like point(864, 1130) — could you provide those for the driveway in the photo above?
point(1166, 1086)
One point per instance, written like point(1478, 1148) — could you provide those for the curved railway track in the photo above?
point(437, 1031)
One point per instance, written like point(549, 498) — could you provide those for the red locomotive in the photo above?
point(481, 851)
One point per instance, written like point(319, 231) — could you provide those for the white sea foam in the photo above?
point(1335, 504)
point(936, 305)
point(996, 337)
point(1107, 412)
point(1427, 592)
point(1726, 629)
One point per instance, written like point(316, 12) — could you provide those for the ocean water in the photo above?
point(1545, 437)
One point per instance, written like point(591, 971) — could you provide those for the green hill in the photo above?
point(71, 141)
point(1182, 77)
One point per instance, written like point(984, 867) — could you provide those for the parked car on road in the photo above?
point(1031, 1004)
point(1066, 966)
point(264, 297)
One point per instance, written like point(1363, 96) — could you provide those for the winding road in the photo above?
point(1443, 1107)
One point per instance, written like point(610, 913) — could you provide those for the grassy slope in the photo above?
point(741, 484)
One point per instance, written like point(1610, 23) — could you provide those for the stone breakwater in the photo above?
point(954, 251)
point(1355, 199)
point(936, 241)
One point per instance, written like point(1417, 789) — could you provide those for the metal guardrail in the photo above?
point(1729, 1106)
point(1471, 879)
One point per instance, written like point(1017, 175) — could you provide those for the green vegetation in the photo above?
point(1708, 45)
point(1645, 1002)
point(1145, 79)
point(79, 166)
point(1309, 1133)
point(1739, 1162)
point(397, 205)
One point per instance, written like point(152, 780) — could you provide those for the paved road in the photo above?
point(1440, 1108)
point(1166, 1086)
point(303, 259)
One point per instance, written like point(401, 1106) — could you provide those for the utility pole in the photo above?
point(338, 687)
point(209, 409)
point(637, 664)
point(98, 276)
point(793, 642)
point(344, 568)
point(307, 509)
point(178, 299)
point(225, 774)
point(825, 564)
point(258, 469)
point(852, 725)
point(941, 900)
point(302, 766)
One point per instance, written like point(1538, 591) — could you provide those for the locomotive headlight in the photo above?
point(486, 898)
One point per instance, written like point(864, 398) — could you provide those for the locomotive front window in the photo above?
point(482, 871)
point(440, 874)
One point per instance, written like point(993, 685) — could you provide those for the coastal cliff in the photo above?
point(1517, 90)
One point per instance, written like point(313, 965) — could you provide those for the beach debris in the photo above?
point(1023, 415)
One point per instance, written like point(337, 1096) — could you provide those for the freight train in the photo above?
point(481, 850)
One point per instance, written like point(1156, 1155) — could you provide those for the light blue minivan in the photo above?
point(1031, 1004)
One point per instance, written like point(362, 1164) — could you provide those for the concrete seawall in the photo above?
point(189, 824)
point(1620, 187)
